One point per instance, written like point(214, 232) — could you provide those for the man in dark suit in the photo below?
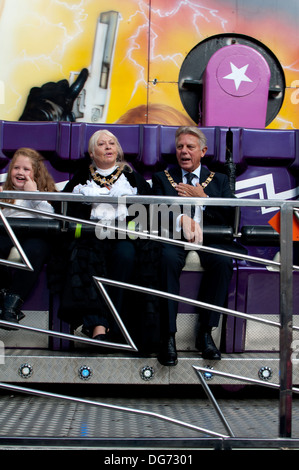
point(191, 146)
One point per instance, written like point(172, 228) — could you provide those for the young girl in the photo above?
point(26, 172)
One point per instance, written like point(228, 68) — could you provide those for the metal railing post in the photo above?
point(286, 320)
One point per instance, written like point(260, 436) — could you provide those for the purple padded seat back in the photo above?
point(148, 160)
point(51, 139)
point(264, 161)
point(128, 136)
point(216, 142)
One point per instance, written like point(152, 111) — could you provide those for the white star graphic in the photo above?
point(238, 75)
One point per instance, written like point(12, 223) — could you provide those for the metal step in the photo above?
point(43, 366)
point(177, 420)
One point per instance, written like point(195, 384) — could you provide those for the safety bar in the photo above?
point(38, 226)
point(261, 235)
point(146, 200)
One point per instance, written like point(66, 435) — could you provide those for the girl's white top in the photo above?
point(30, 204)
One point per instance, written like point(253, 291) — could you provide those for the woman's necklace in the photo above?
point(104, 181)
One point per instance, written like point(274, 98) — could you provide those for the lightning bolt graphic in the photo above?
point(197, 13)
point(55, 56)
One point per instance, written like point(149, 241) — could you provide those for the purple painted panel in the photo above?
point(39, 298)
point(189, 284)
point(258, 293)
point(189, 287)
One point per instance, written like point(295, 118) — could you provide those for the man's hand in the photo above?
point(191, 229)
point(187, 190)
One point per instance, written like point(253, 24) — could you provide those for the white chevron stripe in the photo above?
point(263, 188)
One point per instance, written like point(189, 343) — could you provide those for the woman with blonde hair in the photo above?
point(105, 174)
point(26, 172)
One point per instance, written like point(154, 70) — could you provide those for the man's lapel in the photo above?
point(204, 173)
point(176, 174)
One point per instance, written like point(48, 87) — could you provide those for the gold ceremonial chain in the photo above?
point(208, 180)
point(204, 184)
point(170, 179)
point(102, 180)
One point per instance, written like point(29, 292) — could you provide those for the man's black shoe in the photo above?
point(204, 343)
point(168, 354)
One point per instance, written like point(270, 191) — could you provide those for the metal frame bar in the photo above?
point(32, 391)
point(287, 209)
point(26, 263)
point(286, 319)
point(263, 383)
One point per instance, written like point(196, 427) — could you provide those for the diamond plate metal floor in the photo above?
point(27, 416)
